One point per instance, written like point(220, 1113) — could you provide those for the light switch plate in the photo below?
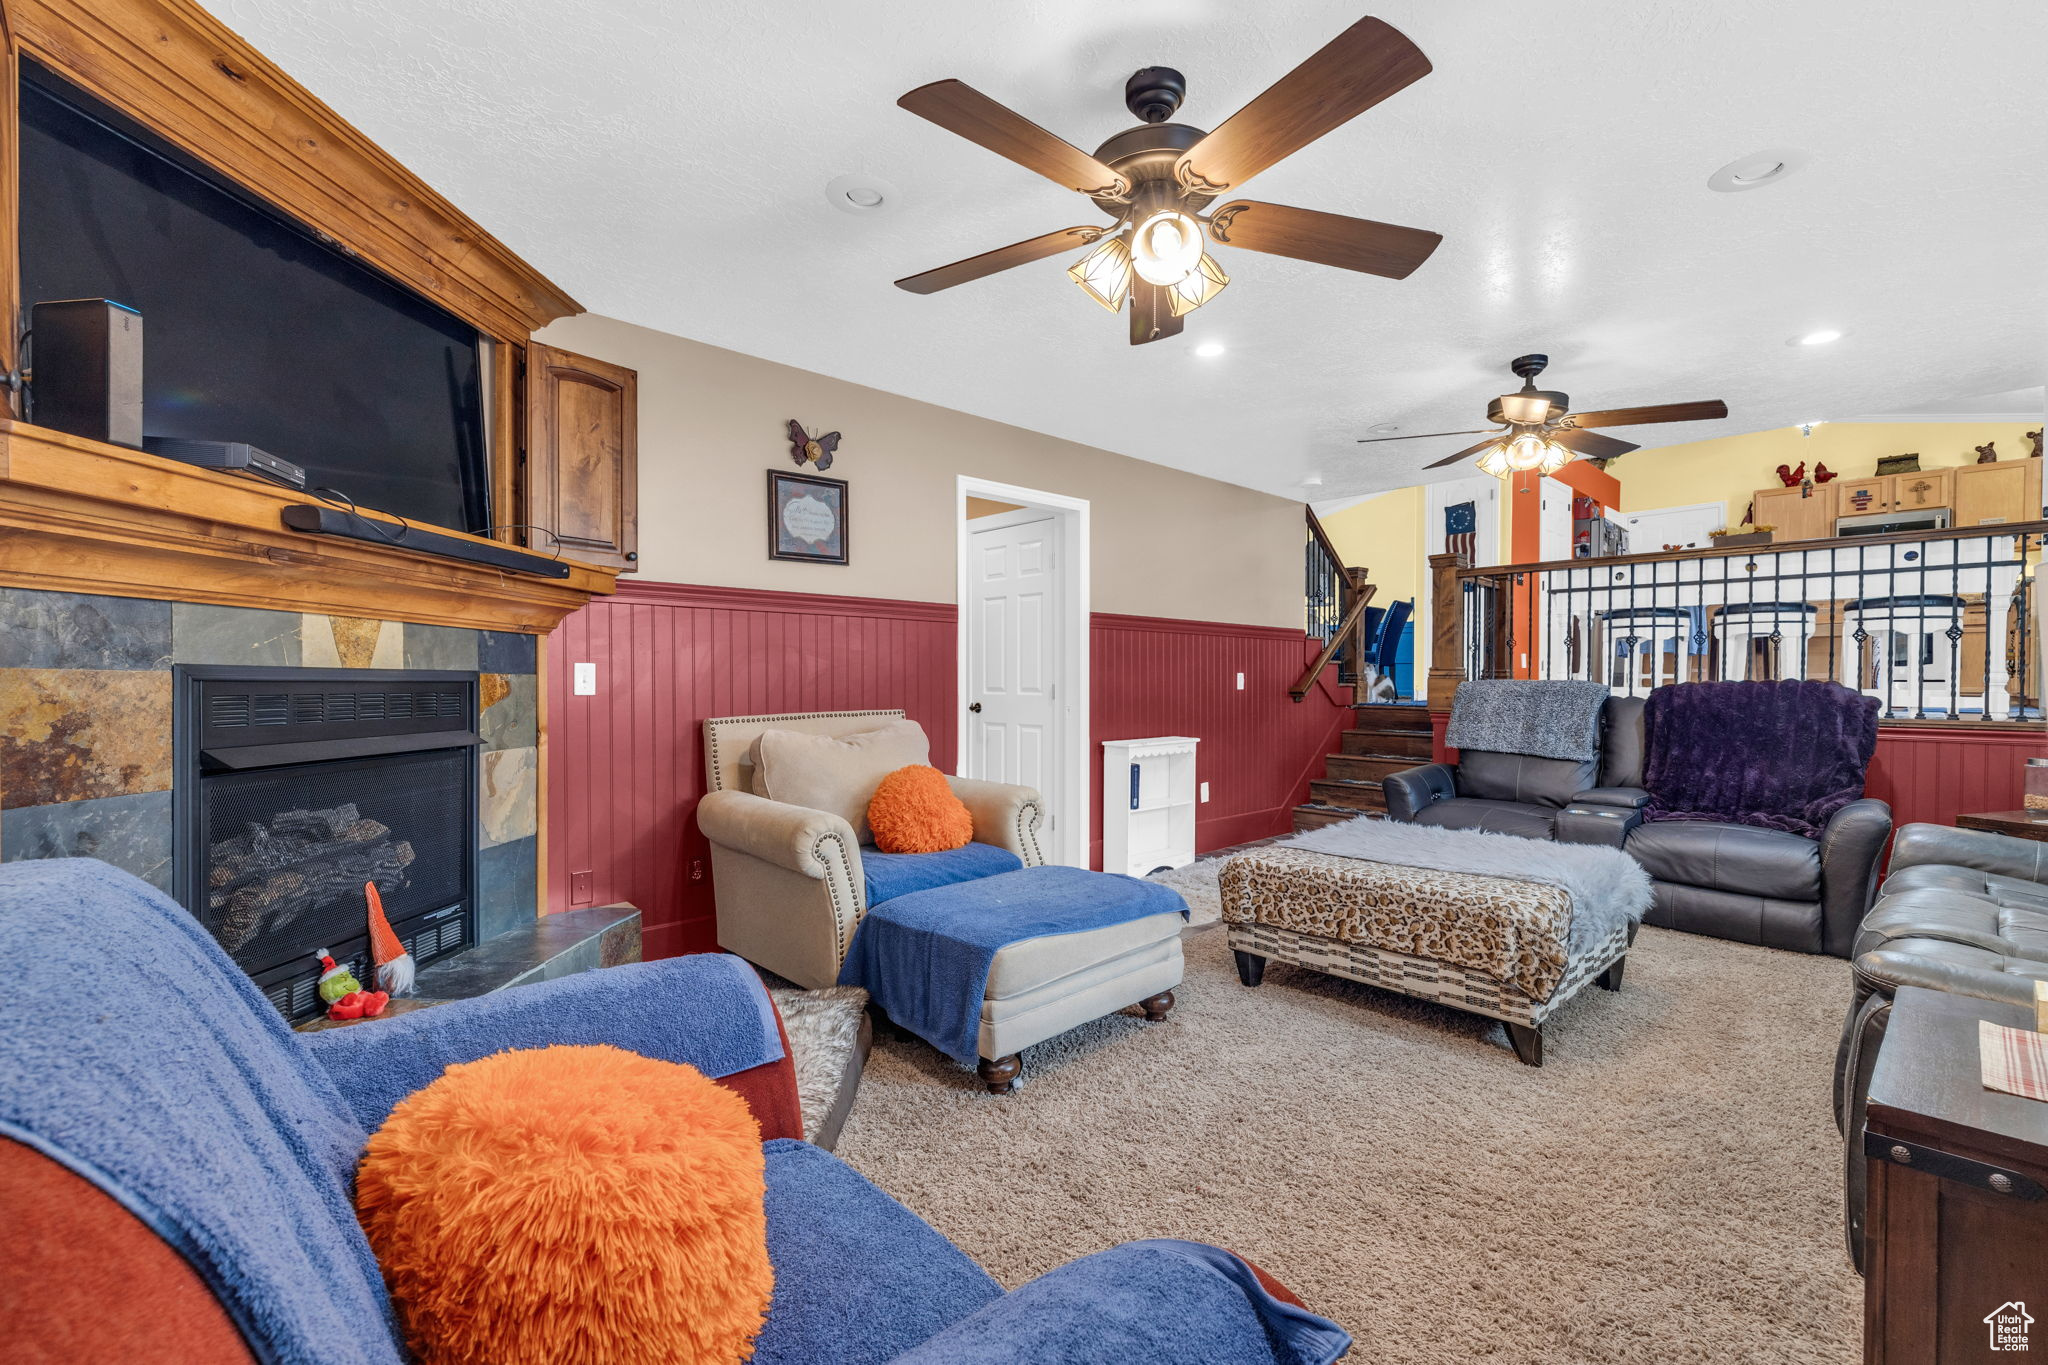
point(1205, 791)
point(586, 680)
point(1240, 682)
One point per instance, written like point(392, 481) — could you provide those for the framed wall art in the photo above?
point(806, 518)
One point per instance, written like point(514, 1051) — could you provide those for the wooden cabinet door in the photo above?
point(1917, 492)
point(582, 457)
point(1860, 497)
point(1796, 517)
point(1995, 494)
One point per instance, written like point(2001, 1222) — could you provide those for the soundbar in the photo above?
point(332, 521)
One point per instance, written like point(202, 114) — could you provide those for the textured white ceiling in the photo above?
point(666, 163)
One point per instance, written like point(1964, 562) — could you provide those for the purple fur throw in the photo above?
point(1779, 755)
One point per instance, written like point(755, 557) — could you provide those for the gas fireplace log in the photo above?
point(288, 839)
point(323, 873)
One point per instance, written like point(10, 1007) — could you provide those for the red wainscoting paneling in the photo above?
point(1934, 775)
point(1158, 676)
point(626, 767)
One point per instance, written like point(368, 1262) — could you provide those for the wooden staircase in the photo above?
point(1383, 739)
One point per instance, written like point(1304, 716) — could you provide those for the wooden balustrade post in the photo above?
point(1446, 628)
point(1360, 636)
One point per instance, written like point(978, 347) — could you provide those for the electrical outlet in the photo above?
point(696, 869)
point(1240, 682)
point(586, 680)
point(1205, 785)
point(579, 888)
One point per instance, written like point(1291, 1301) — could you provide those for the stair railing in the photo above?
point(1336, 598)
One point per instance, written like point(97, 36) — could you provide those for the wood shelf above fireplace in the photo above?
point(82, 516)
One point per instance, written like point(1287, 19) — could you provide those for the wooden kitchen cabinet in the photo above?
point(1920, 491)
point(1993, 494)
point(1797, 513)
point(582, 457)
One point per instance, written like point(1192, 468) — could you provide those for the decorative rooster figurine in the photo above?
point(1792, 478)
point(1821, 473)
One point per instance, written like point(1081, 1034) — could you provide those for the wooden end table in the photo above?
point(1957, 1216)
point(2021, 824)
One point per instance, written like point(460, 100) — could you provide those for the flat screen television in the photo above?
point(253, 328)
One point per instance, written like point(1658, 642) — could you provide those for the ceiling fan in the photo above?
point(1156, 179)
point(1538, 430)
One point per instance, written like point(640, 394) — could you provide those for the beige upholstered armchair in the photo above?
point(787, 877)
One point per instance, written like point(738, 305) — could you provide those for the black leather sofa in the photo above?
point(1960, 910)
point(1731, 881)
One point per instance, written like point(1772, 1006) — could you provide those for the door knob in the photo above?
point(975, 707)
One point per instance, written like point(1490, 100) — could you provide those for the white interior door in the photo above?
point(1013, 614)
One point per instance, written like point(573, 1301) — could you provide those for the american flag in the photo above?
point(1461, 527)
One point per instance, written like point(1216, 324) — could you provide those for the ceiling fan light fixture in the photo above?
point(1201, 284)
point(1167, 248)
point(1524, 407)
point(1494, 461)
point(1104, 274)
point(1556, 457)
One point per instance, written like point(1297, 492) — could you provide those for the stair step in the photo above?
point(1385, 717)
point(1315, 817)
point(1416, 745)
point(1367, 767)
point(1350, 795)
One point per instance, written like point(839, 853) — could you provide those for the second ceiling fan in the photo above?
point(1538, 430)
point(1155, 180)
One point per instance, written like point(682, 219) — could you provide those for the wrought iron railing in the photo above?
point(1937, 625)
point(1336, 599)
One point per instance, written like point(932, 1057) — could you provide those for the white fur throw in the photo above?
point(1605, 884)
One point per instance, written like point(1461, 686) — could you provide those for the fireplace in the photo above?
point(293, 787)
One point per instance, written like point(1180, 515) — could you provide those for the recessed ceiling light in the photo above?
point(1209, 348)
point(1756, 170)
point(859, 193)
point(1312, 481)
point(1820, 338)
point(1383, 429)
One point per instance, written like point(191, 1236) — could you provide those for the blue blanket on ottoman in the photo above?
point(924, 957)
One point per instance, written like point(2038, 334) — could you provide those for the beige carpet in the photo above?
point(1664, 1189)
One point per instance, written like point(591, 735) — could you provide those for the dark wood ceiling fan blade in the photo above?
point(1356, 70)
point(1152, 316)
point(1663, 412)
point(1325, 238)
point(1424, 436)
point(1591, 444)
point(1002, 258)
point(960, 108)
point(1453, 459)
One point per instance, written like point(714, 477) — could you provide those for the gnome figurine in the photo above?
point(394, 964)
point(345, 996)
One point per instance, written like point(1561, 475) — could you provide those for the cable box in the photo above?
point(237, 457)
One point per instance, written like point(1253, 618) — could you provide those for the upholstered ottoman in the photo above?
point(984, 969)
point(1494, 945)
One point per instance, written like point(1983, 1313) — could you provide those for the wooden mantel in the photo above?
point(82, 516)
point(77, 515)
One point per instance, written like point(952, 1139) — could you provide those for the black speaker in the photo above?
point(86, 369)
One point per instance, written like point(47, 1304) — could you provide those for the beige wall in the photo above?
point(712, 423)
point(1383, 535)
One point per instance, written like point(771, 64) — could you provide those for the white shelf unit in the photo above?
point(1149, 795)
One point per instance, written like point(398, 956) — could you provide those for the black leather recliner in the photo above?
point(1962, 911)
point(1730, 881)
point(1515, 793)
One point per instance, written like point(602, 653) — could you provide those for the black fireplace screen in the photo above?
point(301, 790)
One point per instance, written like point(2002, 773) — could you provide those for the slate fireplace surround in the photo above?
point(293, 787)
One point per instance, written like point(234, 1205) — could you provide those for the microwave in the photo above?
point(1893, 523)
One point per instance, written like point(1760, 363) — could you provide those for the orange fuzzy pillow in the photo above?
point(914, 811)
point(571, 1203)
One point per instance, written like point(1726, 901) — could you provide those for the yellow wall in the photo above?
point(1731, 468)
point(1383, 535)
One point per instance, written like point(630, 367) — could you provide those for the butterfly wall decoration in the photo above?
point(815, 449)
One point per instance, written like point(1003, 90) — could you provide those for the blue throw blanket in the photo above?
point(889, 875)
point(1142, 1301)
point(135, 1053)
point(924, 957)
